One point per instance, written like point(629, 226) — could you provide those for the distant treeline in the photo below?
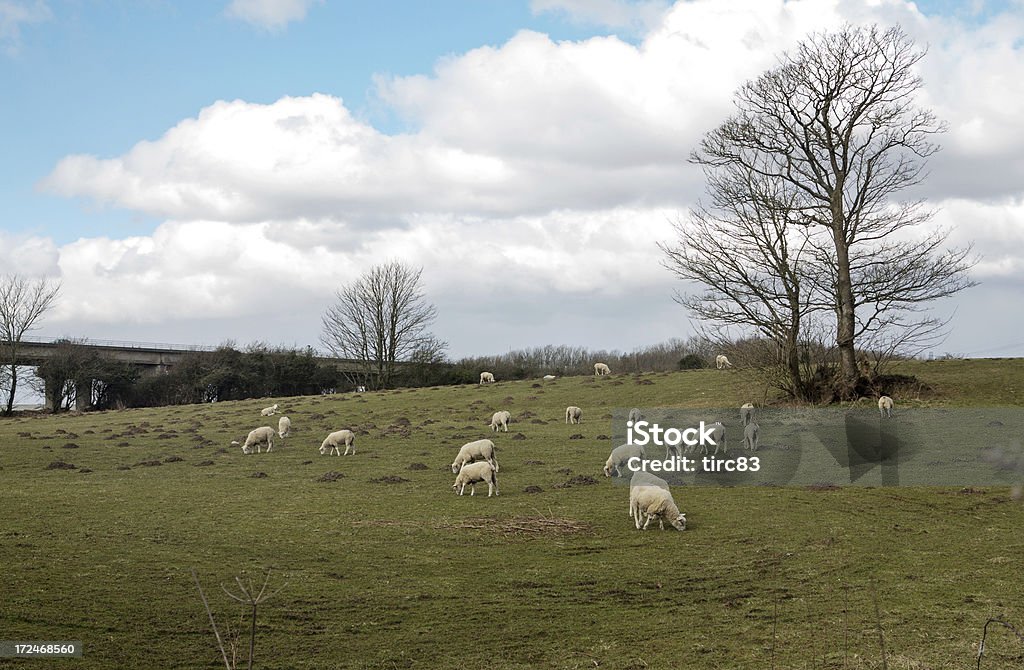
point(261, 371)
point(566, 361)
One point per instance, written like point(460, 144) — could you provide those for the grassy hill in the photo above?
point(383, 567)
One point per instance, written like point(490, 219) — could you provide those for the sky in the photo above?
point(199, 172)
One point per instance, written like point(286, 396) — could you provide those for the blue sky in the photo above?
point(97, 77)
point(219, 164)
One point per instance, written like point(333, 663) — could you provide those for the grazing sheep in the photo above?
point(751, 433)
point(885, 404)
point(548, 378)
point(269, 411)
point(721, 361)
point(573, 414)
point(654, 501)
point(747, 413)
point(644, 478)
point(718, 435)
point(480, 450)
point(332, 443)
point(284, 427)
point(600, 369)
point(486, 378)
point(500, 420)
point(255, 440)
point(619, 458)
point(472, 473)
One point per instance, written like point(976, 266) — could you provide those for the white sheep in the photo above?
point(619, 458)
point(500, 420)
point(284, 427)
point(269, 411)
point(471, 473)
point(600, 369)
point(722, 361)
point(654, 501)
point(333, 442)
point(747, 413)
point(255, 440)
point(751, 434)
point(486, 378)
point(717, 435)
point(885, 404)
point(573, 414)
point(479, 450)
point(548, 378)
point(634, 415)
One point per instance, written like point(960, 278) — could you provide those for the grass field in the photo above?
point(384, 568)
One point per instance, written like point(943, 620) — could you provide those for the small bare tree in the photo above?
point(381, 319)
point(23, 302)
point(247, 595)
point(835, 125)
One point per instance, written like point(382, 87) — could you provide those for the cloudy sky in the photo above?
point(195, 172)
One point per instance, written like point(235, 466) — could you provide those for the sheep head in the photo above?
point(680, 522)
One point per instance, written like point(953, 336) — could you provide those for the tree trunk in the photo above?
point(845, 313)
point(14, 388)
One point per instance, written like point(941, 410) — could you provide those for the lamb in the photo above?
point(269, 411)
point(619, 458)
point(548, 378)
point(751, 433)
point(600, 369)
point(480, 450)
point(721, 361)
point(332, 443)
point(256, 438)
point(885, 404)
point(476, 472)
point(747, 413)
point(718, 435)
point(284, 427)
point(486, 378)
point(500, 420)
point(573, 414)
point(654, 501)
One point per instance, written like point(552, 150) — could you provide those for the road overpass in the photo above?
point(153, 358)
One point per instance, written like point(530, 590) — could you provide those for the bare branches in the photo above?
point(247, 595)
point(381, 318)
point(823, 142)
point(23, 302)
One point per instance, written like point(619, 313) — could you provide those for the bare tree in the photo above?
point(751, 262)
point(381, 319)
point(836, 126)
point(23, 302)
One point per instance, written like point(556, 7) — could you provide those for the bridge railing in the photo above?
point(122, 344)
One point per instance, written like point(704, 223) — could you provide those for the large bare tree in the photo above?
point(380, 319)
point(836, 125)
point(23, 302)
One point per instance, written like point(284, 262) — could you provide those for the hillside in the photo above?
point(386, 568)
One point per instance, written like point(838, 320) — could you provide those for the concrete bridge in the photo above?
point(153, 358)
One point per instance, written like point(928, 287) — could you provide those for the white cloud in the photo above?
point(539, 171)
point(269, 14)
point(29, 255)
point(13, 15)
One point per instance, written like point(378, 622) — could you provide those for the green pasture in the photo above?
point(383, 567)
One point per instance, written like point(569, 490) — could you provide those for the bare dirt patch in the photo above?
point(578, 480)
point(330, 476)
point(389, 479)
point(521, 526)
point(60, 465)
